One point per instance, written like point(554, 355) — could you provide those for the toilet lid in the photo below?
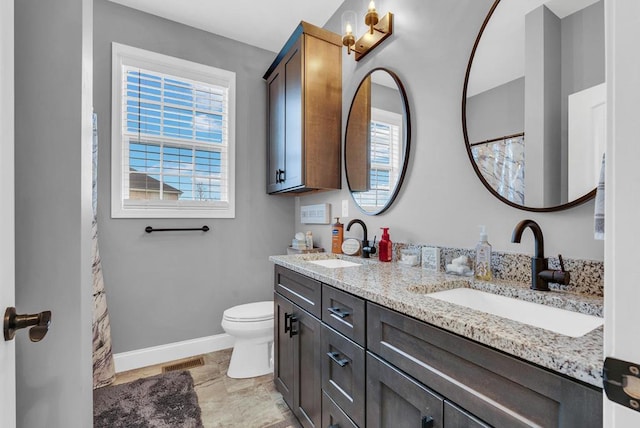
point(258, 311)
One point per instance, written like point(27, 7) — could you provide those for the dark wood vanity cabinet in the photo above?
point(496, 388)
point(341, 361)
point(304, 91)
point(297, 362)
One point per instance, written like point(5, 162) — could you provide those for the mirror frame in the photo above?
point(588, 196)
point(407, 139)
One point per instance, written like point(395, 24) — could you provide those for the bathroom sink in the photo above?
point(568, 323)
point(334, 263)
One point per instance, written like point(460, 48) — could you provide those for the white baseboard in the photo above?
point(130, 360)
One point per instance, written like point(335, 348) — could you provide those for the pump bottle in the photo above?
point(483, 257)
point(337, 234)
point(385, 246)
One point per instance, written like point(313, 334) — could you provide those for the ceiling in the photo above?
point(266, 24)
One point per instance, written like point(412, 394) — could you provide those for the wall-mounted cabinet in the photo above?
point(304, 91)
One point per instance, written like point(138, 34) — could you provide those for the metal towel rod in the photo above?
point(150, 229)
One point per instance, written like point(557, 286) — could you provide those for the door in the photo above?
point(276, 122)
point(283, 348)
point(622, 252)
point(7, 251)
point(307, 397)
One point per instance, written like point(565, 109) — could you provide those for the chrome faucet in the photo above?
point(366, 248)
point(541, 275)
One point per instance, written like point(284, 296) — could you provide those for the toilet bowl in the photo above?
point(251, 325)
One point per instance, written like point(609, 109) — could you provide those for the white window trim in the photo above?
point(122, 54)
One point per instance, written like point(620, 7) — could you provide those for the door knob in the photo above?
point(14, 322)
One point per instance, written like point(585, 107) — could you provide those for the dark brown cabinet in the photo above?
point(395, 400)
point(496, 388)
point(304, 89)
point(365, 365)
point(297, 371)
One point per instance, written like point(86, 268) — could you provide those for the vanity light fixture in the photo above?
point(379, 29)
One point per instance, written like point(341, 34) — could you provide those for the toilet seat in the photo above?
point(250, 312)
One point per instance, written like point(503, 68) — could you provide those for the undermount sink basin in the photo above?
point(334, 263)
point(568, 323)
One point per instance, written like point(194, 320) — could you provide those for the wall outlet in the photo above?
point(345, 208)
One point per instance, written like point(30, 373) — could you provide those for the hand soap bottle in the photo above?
point(384, 246)
point(483, 257)
point(337, 234)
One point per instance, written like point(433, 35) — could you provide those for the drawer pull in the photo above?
point(289, 319)
point(338, 312)
point(334, 356)
point(427, 422)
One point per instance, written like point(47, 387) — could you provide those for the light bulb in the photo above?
point(372, 6)
point(349, 30)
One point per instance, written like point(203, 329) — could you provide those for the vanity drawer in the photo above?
point(495, 387)
point(344, 312)
point(454, 416)
point(301, 290)
point(333, 416)
point(343, 376)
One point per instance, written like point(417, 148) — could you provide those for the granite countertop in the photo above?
point(404, 289)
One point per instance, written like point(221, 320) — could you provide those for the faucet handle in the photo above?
point(561, 263)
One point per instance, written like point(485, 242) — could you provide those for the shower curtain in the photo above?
point(103, 368)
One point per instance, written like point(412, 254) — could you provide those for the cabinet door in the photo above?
point(275, 122)
point(307, 399)
point(455, 417)
point(293, 145)
point(283, 348)
point(394, 400)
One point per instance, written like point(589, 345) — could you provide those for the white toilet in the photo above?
point(252, 327)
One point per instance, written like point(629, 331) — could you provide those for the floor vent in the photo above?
point(184, 365)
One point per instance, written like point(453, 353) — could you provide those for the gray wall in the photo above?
point(496, 112)
point(386, 98)
point(583, 37)
point(442, 201)
point(53, 209)
point(168, 287)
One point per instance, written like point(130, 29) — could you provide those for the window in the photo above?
point(386, 131)
point(173, 124)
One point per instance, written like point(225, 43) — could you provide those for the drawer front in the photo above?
point(455, 417)
point(333, 416)
point(395, 400)
point(301, 290)
point(499, 389)
point(343, 375)
point(344, 312)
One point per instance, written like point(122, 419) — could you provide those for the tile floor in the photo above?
point(226, 402)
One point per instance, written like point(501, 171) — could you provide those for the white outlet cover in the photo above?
point(315, 214)
point(345, 208)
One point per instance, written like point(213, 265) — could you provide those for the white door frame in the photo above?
point(622, 182)
point(7, 230)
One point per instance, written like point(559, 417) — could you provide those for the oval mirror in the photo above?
point(376, 148)
point(533, 104)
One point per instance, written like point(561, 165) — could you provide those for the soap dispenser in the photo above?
point(337, 235)
point(483, 257)
point(385, 246)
